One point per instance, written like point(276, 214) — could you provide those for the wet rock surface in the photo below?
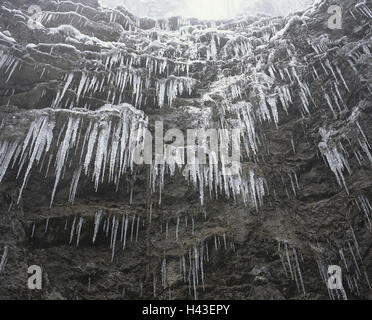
point(301, 94)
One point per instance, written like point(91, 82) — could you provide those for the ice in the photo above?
point(4, 259)
point(299, 271)
point(364, 9)
point(132, 229)
point(336, 160)
point(115, 232)
point(101, 153)
point(46, 225)
point(76, 146)
point(164, 273)
point(33, 230)
point(137, 230)
point(154, 285)
point(5, 36)
point(72, 230)
point(125, 231)
point(7, 151)
point(71, 132)
point(97, 221)
point(177, 228)
point(78, 231)
point(42, 134)
point(172, 87)
point(289, 260)
point(74, 184)
point(366, 207)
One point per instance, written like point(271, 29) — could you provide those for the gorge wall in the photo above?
point(77, 80)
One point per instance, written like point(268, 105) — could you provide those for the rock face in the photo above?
point(78, 82)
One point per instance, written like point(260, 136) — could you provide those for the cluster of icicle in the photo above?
point(268, 89)
point(154, 65)
point(290, 259)
point(364, 205)
point(337, 162)
point(77, 15)
point(173, 87)
point(363, 9)
point(336, 156)
point(214, 176)
point(124, 228)
point(99, 145)
point(8, 64)
point(266, 84)
point(122, 75)
point(191, 265)
point(294, 185)
point(125, 83)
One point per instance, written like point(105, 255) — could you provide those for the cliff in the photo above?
point(77, 80)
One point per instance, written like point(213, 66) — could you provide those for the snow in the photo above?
point(6, 36)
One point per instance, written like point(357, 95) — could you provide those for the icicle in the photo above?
point(33, 230)
point(138, 224)
point(177, 228)
point(194, 283)
point(150, 212)
point(289, 260)
point(343, 259)
point(4, 259)
point(71, 132)
point(72, 230)
point(74, 184)
point(97, 221)
point(354, 259)
point(293, 146)
point(132, 229)
point(125, 231)
point(46, 225)
point(164, 273)
point(292, 184)
point(114, 239)
point(299, 271)
point(112, 230)
point(80, 225)
point(154, 282)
